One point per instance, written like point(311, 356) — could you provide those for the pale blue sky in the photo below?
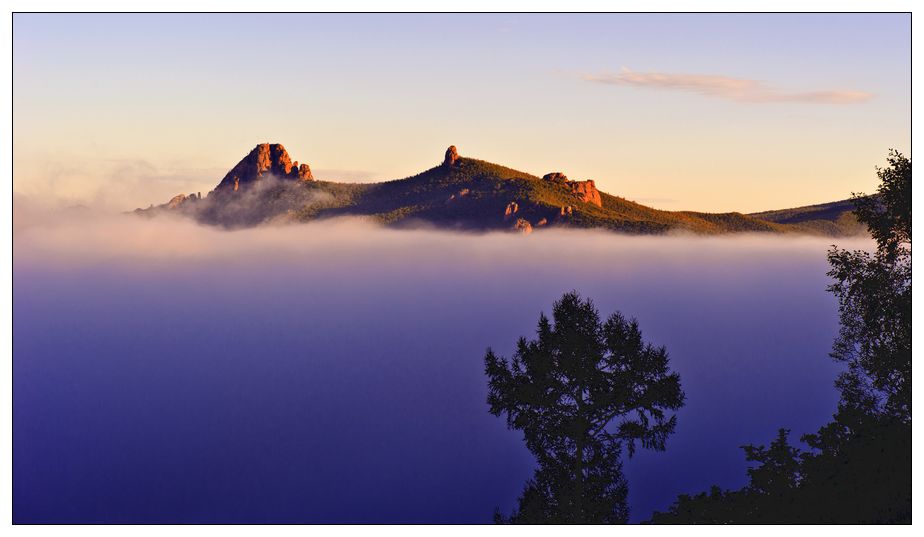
point(717, 112)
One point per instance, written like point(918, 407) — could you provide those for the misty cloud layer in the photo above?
point(332, 372)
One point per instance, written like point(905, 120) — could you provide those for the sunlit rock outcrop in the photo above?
point(182, 199)
point(458, 195)
point(523, 226)
point(558, 177)
point(511, 209)
point(451, 156)
point(586, 191)
point(304, 173)
point(268, 187)
point(264, 160)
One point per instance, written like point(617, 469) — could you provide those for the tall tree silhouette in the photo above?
point(861, 464)
point(859, 467)
point(874, 295)
point(581, 392)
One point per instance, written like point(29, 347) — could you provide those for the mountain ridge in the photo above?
point(468, 194)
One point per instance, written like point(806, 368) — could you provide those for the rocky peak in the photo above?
point(451, 156)
point(263, 160)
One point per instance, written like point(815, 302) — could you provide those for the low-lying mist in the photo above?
point(333, 372)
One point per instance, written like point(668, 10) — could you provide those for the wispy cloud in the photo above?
point(724, 87)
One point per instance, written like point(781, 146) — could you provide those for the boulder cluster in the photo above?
point(519, 223)
point(586, 191)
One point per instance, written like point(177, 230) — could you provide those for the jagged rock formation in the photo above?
point(585, 190)
point(264, 160)
point(466, 194)
point(176, 201)
point(182, 199)
point(304, 172)
point(451, 156)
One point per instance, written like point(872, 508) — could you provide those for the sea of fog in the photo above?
point(333, 372)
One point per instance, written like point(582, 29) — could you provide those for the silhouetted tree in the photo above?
point(859, 466)
point(861, 463)
point(778, 471)
point(581, 392)
point(771, 495)
point(874, 295)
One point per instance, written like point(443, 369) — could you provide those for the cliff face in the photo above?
point(264, 160)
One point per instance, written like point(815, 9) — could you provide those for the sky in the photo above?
point(711, 112)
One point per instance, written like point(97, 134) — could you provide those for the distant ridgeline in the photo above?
point(462, 193)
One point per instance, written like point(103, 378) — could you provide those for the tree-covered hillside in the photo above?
point(474, 195)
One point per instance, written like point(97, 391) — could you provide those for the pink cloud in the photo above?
point(725, 87)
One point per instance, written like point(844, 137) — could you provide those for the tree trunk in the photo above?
point(579, 462)
point(579, 473)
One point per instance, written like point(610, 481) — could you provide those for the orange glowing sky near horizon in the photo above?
point(710, 112)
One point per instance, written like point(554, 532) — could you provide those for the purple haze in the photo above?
point(165, 372)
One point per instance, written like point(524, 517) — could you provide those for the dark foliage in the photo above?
point(874, 295)
point(858, 469)
point(581, 392)
point(888, 215)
